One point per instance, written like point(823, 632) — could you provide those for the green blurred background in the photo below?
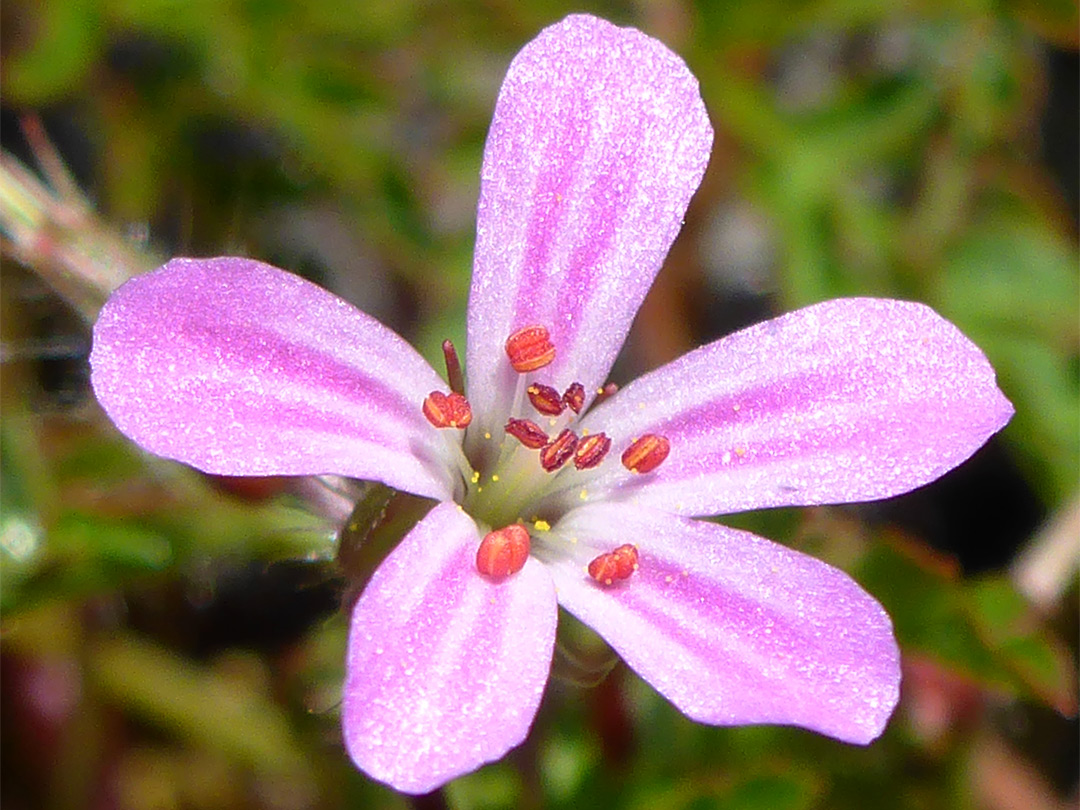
point(171, 641)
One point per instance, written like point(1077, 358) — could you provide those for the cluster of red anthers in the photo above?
point(504, 551)
point(530, 349)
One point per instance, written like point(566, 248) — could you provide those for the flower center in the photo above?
point(537, 455)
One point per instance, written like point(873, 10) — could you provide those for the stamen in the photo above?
point(503, 552)
point(530, 348)
point(575, 397)
point(447, 410)
point(591, 451)
point(646, 454)
point(556, 453)
point(618, 564)
point(527, 432)
point(453, 368)
point(607, 392)
point(545, 399)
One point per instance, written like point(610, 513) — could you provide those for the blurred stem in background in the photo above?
point(51, 228)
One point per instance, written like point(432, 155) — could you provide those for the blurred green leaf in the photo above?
point(494, 787)
point(1015, 275)
point(1012, 286)
point(1009, 625)
point(772, 792)
point(982, 628)
point(65, 51)
point(83, 539)
point(208, 708)
point(738, 789)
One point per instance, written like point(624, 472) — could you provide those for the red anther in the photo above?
point(447, 410)
point(591, 451)
point(575, 397)
point(528, 433)
point(503, 552)
point(453, 368)
point(557, 452)
point(646, 454)
point(618, 564)
point(606, 392)
point(530, 348)
point(545, 399)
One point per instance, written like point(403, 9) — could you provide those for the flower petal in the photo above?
point(849, 400)
point(598, 141)
point(238, 368)
point(734, 629)
point(445, 668)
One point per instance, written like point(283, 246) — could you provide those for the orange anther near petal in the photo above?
point(575, 397)
point(618, 564)
point(503, 552)
point(447, 410)
point(545, 399)
point(646, 454)
point(591, 451)
point(530, 348)
point(528, 433)
point(556, 453)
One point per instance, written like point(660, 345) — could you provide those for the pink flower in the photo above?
point(598, 142)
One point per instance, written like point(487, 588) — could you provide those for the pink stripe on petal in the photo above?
point(239, 368)
point(735, 629)
point(849, 400)
point(445, 668)
point(598, 141)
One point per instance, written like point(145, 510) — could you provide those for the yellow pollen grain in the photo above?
point(476, 477)
point(584, 494)
point(740, 451)
point(494, 478)
point(552, 421)
point(574, 540)
point(668, 578)
point(736, 407)
point(584, 433)
point(487, 435)
point(542, 526)
point(685, 573)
